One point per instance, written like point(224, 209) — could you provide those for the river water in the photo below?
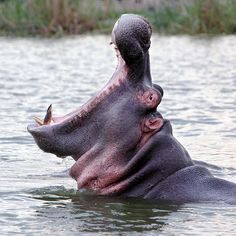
point(37, 197)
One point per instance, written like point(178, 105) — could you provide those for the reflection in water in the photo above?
point(198, 78)
point(90, 213)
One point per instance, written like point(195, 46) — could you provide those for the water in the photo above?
point(37, 196)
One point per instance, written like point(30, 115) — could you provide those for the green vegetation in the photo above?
point(201, 17)
point(63, 17)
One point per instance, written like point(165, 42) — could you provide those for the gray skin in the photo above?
point(121, 144)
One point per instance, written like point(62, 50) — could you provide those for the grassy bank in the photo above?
point(63, 17)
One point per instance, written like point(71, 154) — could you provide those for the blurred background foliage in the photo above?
point(63, 17)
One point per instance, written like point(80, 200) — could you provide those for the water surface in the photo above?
point(38, 197)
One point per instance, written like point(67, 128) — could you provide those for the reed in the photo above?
point(200, 17)
point(63, 17)
point(45, 17)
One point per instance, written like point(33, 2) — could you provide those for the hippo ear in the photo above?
point(152, 124)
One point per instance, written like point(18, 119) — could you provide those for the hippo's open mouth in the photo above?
point(50, 120)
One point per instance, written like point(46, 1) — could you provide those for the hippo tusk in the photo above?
point(38, 120)
point(47, 119)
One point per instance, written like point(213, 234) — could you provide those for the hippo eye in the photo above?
point(151, 97)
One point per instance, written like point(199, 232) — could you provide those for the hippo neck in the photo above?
point(159, 158)
point(128, 173)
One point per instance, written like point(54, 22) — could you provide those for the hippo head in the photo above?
point(105, 134)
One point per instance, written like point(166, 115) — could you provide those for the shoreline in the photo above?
point(49, 18)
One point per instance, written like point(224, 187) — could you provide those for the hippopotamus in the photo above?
point(121, 144)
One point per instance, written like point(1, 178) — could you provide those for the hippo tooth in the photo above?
point(38, 120)
point(48, 117)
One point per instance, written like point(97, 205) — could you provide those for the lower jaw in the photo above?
point(112, 189)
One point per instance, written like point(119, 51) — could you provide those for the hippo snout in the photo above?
point(132, 35)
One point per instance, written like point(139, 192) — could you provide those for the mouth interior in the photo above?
point(50, 120)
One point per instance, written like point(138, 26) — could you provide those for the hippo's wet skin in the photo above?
point(121, 144)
